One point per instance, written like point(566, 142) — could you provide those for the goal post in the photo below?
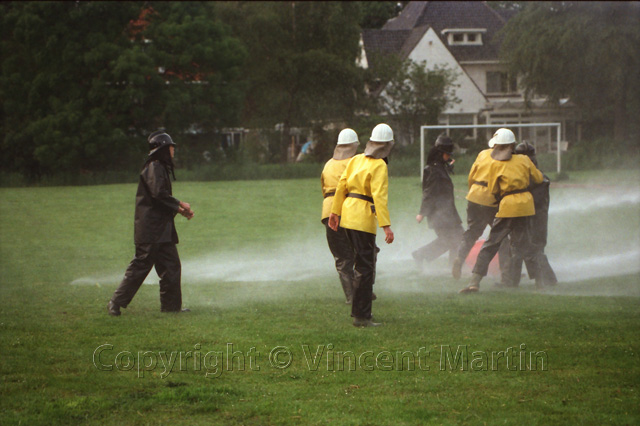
point(490, 126)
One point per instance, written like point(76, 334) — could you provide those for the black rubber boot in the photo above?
point(113, 309)
point(474, 284)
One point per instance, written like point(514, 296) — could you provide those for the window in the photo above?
point(464, 36)
point(501, 82)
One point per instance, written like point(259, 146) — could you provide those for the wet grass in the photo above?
point(282, 350)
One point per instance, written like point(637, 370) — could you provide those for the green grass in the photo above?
point(257, 275)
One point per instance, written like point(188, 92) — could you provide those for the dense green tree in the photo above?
point(198, 63)
point(374, 14)
point(587, 51)
point(507, 5)
point(83, 82)
point(301, 67)
point(53, 57)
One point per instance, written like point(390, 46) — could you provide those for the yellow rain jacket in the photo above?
point(369, 177)
point(514, 175)
point(478, 176)
point(329, 181)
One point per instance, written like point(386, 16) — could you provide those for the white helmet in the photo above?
point(382, 133)
point(502, 137)
point(347, 136)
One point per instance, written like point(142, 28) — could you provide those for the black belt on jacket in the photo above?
point(481, 183)
point(515, 191)
point(360, 196)
point(329, 194)
point(363, 197)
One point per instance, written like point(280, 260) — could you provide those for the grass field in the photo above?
point(269, 339)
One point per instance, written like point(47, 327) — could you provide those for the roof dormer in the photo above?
point(464, 36)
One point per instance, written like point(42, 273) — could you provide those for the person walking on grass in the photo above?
point(438, 203)
point(539, 222)
point(508, 179)
point(155, 235)
point(481, 211)
point(360, 202)
point(338, 242)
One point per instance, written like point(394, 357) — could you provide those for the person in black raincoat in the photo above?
point(438, 204)
point(539, 224)
point(155, 235)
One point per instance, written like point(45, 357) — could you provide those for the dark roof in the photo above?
point(402, 33)
point(384, 41)
point(408, 18)
point(400, 42)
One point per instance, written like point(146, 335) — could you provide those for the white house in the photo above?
point(464, 37)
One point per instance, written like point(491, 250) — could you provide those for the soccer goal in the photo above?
point(447, 127)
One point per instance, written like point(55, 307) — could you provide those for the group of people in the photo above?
point(506, 192)
point(355, 189)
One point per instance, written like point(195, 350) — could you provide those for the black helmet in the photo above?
point(444, 144)
point(159, 139)
point(526, 149)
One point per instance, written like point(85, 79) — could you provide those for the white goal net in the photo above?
point(551, 145)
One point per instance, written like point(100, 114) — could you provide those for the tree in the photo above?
point(301, 66)
point(587, 51)
point(507, 5)
point(82, 82)
point(413, 94)
point(376, 13)
point(55, 117)
point(198, 63)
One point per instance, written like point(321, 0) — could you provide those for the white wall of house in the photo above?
point(434, 52)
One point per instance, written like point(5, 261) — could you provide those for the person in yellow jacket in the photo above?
point(338, 242)
point(508, 178)
point(359, 206)
point(481, 210)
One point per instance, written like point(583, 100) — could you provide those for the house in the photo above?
point(464, 37)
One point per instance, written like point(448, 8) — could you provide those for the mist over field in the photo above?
point(594, 232)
